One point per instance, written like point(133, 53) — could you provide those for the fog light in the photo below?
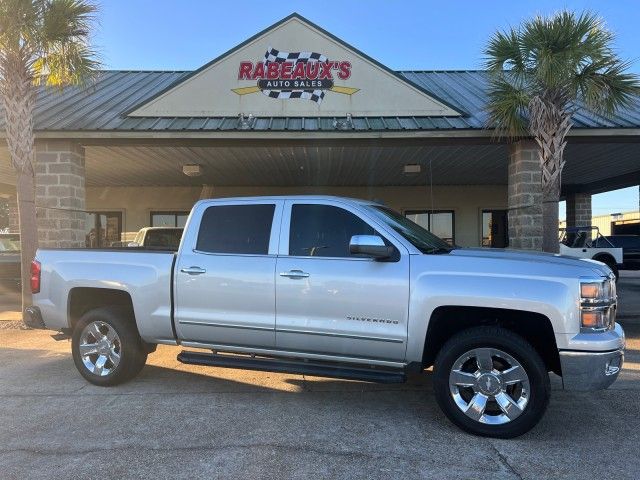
point(592, 319)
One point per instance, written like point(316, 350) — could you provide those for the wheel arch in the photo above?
point(536, 328)
point(83, 299)
point(601, 257)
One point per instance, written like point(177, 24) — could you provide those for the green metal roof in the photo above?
point(102, 106)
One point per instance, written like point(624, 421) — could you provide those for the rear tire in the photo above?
point(491, 382)
point(107, 349)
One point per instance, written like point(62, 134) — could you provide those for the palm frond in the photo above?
point(508, 100)
point(560, 59)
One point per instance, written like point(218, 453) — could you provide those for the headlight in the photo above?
point(597, 304)
point(591, 291)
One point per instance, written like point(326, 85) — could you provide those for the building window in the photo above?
point(169, 219)
point(494, 229)
point(239, 229)
point(439, 222)
point(103, 229)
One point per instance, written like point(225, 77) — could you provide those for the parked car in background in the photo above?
point(167, 238)
point(9, 262)
point(346, 288)
point(630, 245)
point(586, 242)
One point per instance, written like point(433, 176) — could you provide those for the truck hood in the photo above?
point(528, 262)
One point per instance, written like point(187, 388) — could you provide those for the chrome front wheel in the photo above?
point(490, 381)
point(489, 386)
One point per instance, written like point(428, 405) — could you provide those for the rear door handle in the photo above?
point(193, 270)
point(294, 274)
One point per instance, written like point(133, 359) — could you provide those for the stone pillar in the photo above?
point(579, 210)
point(14, 222)
point(525, 197)
point(60, 194)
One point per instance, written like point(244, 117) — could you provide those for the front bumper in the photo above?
point(585, 371)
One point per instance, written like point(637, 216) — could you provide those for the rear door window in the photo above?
point(236, 229)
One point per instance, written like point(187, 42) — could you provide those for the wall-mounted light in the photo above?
point(192, 170)
point(412, 168)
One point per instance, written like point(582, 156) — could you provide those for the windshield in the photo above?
point(422, 239)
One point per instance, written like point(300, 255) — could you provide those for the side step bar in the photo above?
point(296, 367)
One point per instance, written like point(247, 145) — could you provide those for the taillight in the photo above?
point(35, 276)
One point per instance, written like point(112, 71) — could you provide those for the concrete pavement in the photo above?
point(186, 421)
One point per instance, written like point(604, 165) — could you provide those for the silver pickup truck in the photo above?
point(344, 288)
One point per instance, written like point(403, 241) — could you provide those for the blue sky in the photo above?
point(183, 35)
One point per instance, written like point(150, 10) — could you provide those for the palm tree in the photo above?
point(540, 73)
point(42, 42)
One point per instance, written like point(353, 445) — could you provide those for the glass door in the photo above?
point(495, 232)
point(103, 229)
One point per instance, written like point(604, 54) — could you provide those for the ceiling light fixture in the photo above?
point(192, 170)
point(412, 168)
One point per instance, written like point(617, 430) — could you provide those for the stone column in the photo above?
point(525, 197)
point(60, 194)
point(14, 222)
point(579, 210)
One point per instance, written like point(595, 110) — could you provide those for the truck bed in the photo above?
point(142, 273)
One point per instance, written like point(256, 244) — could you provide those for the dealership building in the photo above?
point(295, 110)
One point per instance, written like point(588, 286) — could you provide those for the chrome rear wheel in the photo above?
point(100, 348)
point(106, 346)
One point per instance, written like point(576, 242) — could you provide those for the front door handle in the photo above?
point(193, 270)
point(294, 274)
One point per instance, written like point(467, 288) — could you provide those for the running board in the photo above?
point(296, 367)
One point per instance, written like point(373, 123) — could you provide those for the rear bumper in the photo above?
point(590, 370)
point(32, 317)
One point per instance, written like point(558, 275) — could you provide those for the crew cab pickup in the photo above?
point(346, 288)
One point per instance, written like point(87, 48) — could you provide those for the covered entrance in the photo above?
point(295, 110)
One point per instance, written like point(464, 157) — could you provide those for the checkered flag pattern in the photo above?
point(273, 55)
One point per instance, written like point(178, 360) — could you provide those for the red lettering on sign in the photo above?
point(273, 70)
point(258, 72)
point(325, 72)
point(286, 70)
point(312, 70)
point(344, 70)
point(244, 72)
point(298, 71)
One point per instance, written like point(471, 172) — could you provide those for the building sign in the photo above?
point(285, 75)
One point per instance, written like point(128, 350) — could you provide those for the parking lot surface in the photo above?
point(185, 421)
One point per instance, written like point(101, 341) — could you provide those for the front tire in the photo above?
point(107, 349)
point(491, 382)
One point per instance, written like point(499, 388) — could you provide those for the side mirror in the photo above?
point(371, 245)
